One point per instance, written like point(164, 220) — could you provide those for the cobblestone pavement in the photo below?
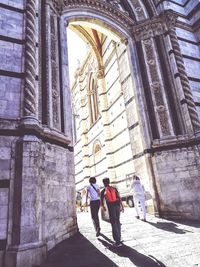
point(154, 243)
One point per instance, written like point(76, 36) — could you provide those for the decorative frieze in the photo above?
point(111, 8)
point(148, 29)
point(118, 5)
point(157, 88)
point(54, 74)
point(155, 26)
point(55, 4)
point(138, 9)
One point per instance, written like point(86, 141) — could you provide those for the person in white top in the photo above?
point(84, 206)
point(93, 191)
point(138, 197)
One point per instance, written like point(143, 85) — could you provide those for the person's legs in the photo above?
point(118, 224)
point(94, 206)
point(142, 203)
point(136, 203)
point(114, 211)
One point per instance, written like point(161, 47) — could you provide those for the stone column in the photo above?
point(66, 95)
point(84, 129)
point(157, 89)
point(106, 127)
point(30, 100)
point(185, 93)
point(53, 78)
point(145, 33)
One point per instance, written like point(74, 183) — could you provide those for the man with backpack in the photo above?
point(114, 204)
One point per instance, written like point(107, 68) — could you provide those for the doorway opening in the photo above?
point(106, 129)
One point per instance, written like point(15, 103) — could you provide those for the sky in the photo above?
point(77, 50)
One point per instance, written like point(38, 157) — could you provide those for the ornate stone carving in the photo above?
point(111, 8)
point(118, 4)
point(30, 60)
point(54, 74)
point(155, 26)
point(148, 29)
point(56, 4)
point(138, 9)
point(183, 75)
point(165, 23)
point(170, 18)
point(163, 117)
point(100, 73)
point(157, 88)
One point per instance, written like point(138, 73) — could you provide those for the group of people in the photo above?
point(81, 202)
point(110, 197)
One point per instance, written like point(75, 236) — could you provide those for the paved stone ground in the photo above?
point(154, 243)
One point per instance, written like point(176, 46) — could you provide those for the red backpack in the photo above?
point(111, 194)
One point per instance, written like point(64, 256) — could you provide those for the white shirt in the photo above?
point(93, 193)
point(138, 189)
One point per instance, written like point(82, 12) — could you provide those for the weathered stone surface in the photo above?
point(37, 187)
point(10, 95)
point(185, 174)
point(11, 23)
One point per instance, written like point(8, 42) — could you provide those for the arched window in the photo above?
point(97, 148)
point(93, 99)
point(98, 158)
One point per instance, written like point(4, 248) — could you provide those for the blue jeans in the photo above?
point(114, 214)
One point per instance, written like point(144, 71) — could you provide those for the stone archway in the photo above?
point(36, 136)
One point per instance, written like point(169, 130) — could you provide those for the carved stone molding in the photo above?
point(166, 23)
point(117, 4)
point(30, 60)
point(157, 88)
point(55, 4)
point(138, 9)
point(155, 26)
point(184, 81)
point(54, 73)
point(100, 73)
point(107, 7)
point(170, 19)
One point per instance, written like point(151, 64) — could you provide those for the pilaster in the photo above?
point(145, 32)
point(182, 83)
point(30, 99)
point(84, 129)
point(105, 120)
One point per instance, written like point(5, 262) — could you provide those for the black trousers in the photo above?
point(114, 214)
point(94, 207)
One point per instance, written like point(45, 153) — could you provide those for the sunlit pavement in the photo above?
point(154, 243)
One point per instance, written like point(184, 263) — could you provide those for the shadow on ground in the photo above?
point(169, 226)
point(77, 251)
point(191, 223)
point(138, 259)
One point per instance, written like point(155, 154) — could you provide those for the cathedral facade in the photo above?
point(141, 83)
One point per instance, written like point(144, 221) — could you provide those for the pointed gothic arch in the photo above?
point(93, 98)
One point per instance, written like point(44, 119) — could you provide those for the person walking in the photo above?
point(93, 191)
point(114, 204)
point(78, 201)
point(84, 204)
point(139, 197)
